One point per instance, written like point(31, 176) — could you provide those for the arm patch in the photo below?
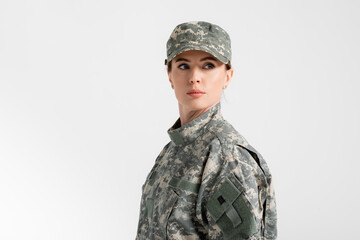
point(231, 213)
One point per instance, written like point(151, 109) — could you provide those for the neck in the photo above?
point(188, 114)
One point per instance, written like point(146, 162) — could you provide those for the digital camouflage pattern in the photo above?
point(199, 35)
point(208, 183)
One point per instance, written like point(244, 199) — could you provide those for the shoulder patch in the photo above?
point(228, 207)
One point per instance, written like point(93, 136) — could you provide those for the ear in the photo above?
point(229, 74)
point(170, 78)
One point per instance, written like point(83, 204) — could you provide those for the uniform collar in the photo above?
point(182, 135)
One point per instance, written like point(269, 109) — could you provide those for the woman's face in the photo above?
point(199, 70)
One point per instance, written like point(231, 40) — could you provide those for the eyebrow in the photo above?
point(203, 59)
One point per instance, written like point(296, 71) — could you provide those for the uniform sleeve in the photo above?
point(237, 199)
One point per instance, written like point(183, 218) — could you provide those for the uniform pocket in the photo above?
point(182, 219)
point(145, 217)
point(165, 207)
point(231, 211)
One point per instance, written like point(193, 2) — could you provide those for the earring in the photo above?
point(172, 86)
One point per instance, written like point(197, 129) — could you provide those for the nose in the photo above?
point(195, 76)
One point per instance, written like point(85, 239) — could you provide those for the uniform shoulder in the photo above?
point(236, 147)
point(228, 135)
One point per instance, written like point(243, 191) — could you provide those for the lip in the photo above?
point(195, 91)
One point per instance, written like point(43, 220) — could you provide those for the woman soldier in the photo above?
point(207, 182)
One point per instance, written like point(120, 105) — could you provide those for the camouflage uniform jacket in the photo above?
point(208, 183)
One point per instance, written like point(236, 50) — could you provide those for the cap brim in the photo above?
point(201, 48)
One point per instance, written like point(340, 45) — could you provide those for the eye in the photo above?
point(209, 66)
point(183, 66)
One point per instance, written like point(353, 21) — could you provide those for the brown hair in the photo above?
point(228, 66)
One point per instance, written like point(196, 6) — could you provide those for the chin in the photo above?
point(197, 105)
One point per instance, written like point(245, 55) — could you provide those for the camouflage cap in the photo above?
point(199, 35)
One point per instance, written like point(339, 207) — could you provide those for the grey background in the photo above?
point(85, 104)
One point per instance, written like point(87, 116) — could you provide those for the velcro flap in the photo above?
point(184, 185)
point(233, 216)
point(149, 207)
point(222, 201)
